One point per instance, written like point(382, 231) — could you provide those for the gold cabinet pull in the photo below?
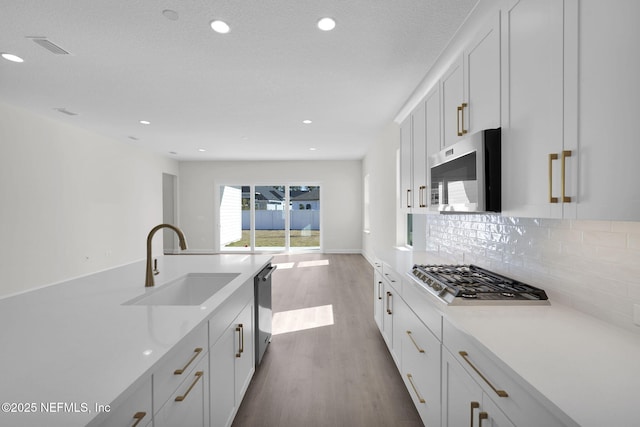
point(458, 120)
point(138, 416)
point(389, 296)
point(465, 356)
point(415, 389)
point(198, 375)
point(379, 289)
point(421, 350)
point(462, 107)
point(240, 331)
point(408, 196)
point(196, 352)
point(421, 196)
point(482, 416)
point(474, 405)
point(552, 157)
point(565, 154)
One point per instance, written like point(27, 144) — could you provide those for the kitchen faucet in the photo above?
point(182, 242)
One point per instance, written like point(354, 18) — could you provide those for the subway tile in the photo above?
point(565, 235)
point(626, 227)
point(591, 225)
point(633, 241)
point(604, 238)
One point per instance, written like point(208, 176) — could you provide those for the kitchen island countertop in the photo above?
point(75, 343)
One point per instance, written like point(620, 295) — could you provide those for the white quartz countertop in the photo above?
point(588, 368)
point(75, 342)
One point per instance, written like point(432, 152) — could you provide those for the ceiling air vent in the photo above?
point(49, 45)
point(65, 111)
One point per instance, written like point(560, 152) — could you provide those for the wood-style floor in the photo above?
point(334, 375)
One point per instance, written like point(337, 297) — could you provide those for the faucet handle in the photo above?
point(155, 267)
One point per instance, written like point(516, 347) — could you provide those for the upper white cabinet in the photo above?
point(471, 86)
point(406, 178)
point(539, 143)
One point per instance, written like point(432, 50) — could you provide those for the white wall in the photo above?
point(71, 202)
point(340, 192)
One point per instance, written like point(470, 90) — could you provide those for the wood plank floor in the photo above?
point(335, 375)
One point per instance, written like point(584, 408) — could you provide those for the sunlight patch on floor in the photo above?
point(284, 265)
point(314, 263)
point(302, 319)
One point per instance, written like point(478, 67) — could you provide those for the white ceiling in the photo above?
point(242, 95)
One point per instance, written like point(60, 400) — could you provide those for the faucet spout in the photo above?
point(182, 242)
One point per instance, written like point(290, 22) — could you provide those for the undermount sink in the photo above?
point(190, 289)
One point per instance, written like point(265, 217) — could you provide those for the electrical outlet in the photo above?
point(636, 314)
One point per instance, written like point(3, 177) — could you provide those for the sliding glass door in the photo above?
point(269, 217)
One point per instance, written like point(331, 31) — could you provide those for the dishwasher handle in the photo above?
point(266, 276)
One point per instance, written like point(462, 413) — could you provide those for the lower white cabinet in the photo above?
point(463, 401)
point(421, 367)
point(231, 358)
point(136, 410)
point(189, 403)
point(378, 299)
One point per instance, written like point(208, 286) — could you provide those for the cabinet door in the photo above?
point(534, 87)
point(452, 86)
point(387, 322)
point(482, 79)
point(244, 362)
point(491, 416)
point(406, 174)
point(136, 409)
point(222, 376)
point(189, 404)
point(378, 299)
point(419, 158)
point(461, 396)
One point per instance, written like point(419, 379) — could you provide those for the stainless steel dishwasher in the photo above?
point(262, 293)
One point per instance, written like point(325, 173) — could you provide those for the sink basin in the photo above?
point(190, 289)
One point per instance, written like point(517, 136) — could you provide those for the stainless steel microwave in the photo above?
point(466, 176)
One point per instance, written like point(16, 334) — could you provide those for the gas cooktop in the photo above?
point(473, 285)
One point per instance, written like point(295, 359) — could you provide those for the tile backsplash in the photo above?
point(593, 266)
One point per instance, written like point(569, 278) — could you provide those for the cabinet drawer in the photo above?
point(421, 368)
point(179, 363)
point(514, 396)
point(377, 265)
point(135, 408)
point(418, 301)
point(394, 279)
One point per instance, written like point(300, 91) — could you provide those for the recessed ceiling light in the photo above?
point(312, 149)
point(307, 122)
point(11, 57)
point(326, 24)
point(171, 15)
point(145, 122)
point(220, 27)
point(202, 150)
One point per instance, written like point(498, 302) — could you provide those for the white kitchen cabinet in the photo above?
point(189, 403)
point(539, 138)
point(420, 363)
point(470, 88)
point(136, 410)
point(231, 359)
point(406, 163)
point(514, 398)
point(464, 402)
point(378, 299)
point(393, 306)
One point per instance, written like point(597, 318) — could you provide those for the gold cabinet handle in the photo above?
point(421, 350)
point(198, 375)
point(482, 416)
point(138, 416)
point(565, 154)
point(379, 289)
point(465, 356)
point(462, 107)
point(196, 352)
point(389, 295)
point(421, 196)
point(240, 331)
point(458, 120)
point(415, 389)
point(474, 405)
point(552, 157)
point(408, 196)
